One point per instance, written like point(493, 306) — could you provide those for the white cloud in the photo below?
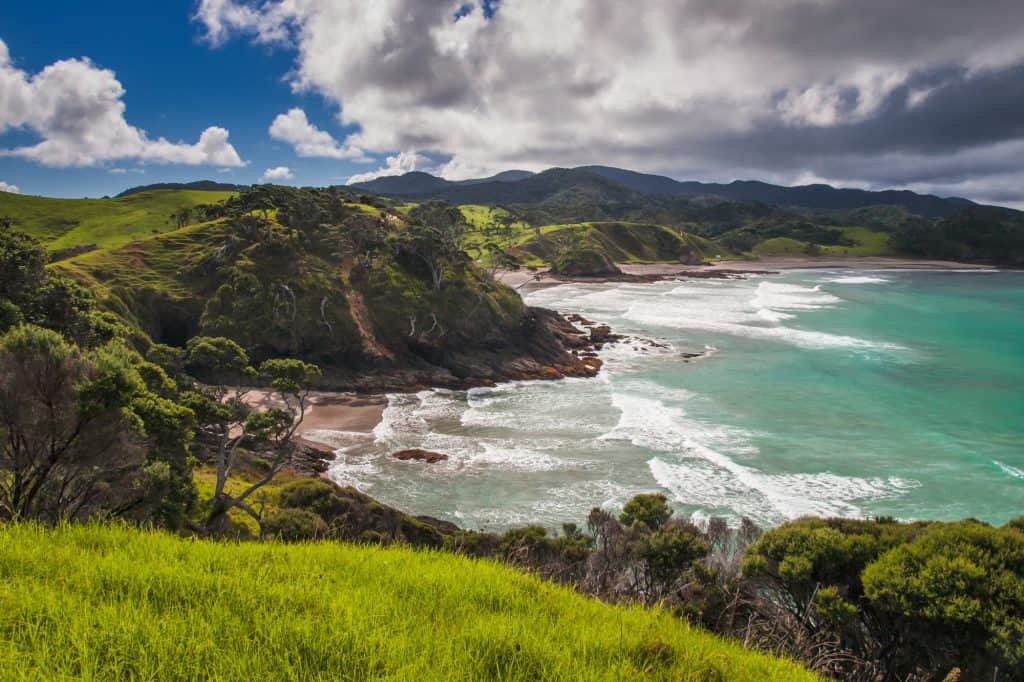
point(308, 140)
point(7, 187)
point(77, 110)
point(582, 81)
point(399, 164)
point(277, 174)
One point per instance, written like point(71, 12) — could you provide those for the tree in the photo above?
point(666, 554)
point(71, 446)
point(650, 511)
point(43, 298)
point(224, 415)
point(434, 236)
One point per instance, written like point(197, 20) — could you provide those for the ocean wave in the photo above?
point(778, 296)
point(705, 474)
point(772, 498)
point(1010, 470)
point(858, 279)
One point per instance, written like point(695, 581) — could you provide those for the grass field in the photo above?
point(151, 262)
point(867, 243)
point(66, 223)
point(105, 603)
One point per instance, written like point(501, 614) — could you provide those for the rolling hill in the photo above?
point(104, 223)
point(201, 185)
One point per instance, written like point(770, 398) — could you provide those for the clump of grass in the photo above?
point(100, 602)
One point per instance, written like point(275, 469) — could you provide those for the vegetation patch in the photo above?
point(145, 605)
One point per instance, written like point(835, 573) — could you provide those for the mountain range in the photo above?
point(525, 187)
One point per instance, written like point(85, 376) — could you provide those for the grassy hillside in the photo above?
point(67, 223)
point(621, 242)
point(93, 602)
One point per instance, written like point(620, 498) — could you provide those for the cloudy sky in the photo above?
point(923, 94)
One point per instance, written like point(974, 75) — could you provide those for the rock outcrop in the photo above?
point(416, 454)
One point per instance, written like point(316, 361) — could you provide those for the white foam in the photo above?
point(509, 457)
point(1012, 471)
point(859, 280)
point(778, 296)
point(706, 476)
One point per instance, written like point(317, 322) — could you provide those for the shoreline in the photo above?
point(541, 278)
point(329, 411)
point(362, 412)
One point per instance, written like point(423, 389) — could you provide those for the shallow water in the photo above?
point(821, 392)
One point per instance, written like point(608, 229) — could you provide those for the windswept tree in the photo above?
point(434, 236)
point(226, 417)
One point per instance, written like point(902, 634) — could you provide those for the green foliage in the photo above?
point(289, 375)
point(913, 599)
point(434, 236)
point(315, 495)
point(29, 293)
point(217, 358)
point(71, 446)
point(650, 511)
point(147, 605)
point(293, 525)
point(967, 578)
point(170, 428)
point(669, 551)
point(979, 233)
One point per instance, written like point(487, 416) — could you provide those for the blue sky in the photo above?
point(921, 94)
point(176, 86)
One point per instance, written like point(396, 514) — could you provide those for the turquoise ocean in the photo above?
point(823, 392)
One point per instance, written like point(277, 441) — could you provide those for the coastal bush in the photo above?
point(957, 594)
point(909, 600)
point(82, 436)
point(291, 525)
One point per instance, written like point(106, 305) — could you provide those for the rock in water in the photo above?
point(420, 456)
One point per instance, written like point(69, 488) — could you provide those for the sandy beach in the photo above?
point(331, 412)
point(533, 279)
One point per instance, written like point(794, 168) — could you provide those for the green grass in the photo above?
point(66, 223)
point(152, 262)
point(106, 603)
point(780, 246)
point(867, 243)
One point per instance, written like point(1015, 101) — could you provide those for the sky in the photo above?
point(920, 94)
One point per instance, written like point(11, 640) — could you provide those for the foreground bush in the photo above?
point(100, 602)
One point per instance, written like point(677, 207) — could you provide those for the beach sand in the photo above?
point(527, 279)
point(331, 411)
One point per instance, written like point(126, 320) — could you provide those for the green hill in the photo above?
point(70, 223)
point(95, 602)
point(619, 242)
point(307, 273)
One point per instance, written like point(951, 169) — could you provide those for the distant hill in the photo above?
point(69, 224)
point(500, 189)
point(418, 184)
point(524, 187)
point(805, 196)
point(200, 185)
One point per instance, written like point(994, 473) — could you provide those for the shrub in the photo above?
point(292, 525)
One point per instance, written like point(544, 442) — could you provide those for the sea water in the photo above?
point(843, 392)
